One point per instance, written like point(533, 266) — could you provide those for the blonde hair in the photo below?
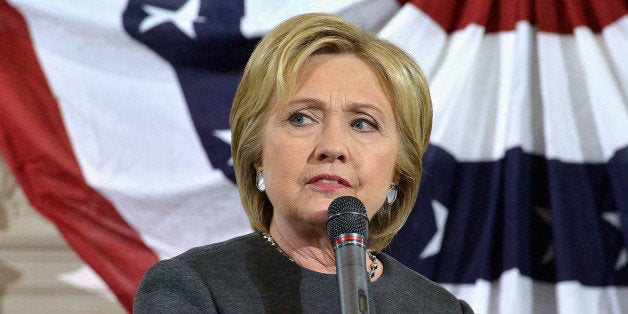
point(271, 75)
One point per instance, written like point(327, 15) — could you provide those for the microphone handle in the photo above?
point(352, 279)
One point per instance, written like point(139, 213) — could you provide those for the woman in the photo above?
point(323, 110)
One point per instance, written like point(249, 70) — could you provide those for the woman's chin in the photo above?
point(315, 219)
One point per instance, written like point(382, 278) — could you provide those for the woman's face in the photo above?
point(336, 136)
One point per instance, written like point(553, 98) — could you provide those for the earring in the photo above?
point(259, 181)
point(392, 194)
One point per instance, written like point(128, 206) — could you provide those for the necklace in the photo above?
point(275, 245)
point(371, 255)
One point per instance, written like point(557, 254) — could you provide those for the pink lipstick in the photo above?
point(329, 182)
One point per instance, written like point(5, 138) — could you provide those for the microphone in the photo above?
point(347, 226)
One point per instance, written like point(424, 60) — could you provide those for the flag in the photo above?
point(524, 203)
point(113, 120)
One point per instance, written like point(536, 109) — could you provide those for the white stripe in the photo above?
point(522, 120)
point(518, 294)
point(260, 16)
point(616, 40)
point(561, 80)
point(573, 297)
point(418, 34)
point(130, 127)
point(585, 114)
point(608, 95)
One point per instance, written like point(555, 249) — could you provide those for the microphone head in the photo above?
point(346, 215)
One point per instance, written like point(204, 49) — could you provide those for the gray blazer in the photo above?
point(247, 275)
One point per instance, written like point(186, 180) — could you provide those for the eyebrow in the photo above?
point(319, 104)
point(316, 103)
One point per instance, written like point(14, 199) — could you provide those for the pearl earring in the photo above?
point(260, 181)
point(392, 194)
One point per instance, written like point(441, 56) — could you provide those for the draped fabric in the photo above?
point(113, 120)
point(526, 178)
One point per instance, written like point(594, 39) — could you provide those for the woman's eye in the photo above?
point(364, 125)
point(299, 119)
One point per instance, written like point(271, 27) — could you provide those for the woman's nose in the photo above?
point(332, 144)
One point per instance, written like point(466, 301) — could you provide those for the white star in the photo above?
point(613, 219)
point(225, 136)
point(622, 259)
point(184, 17)
point(440, 216)
point(546, 217)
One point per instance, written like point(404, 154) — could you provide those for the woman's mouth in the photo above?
point(329, 182)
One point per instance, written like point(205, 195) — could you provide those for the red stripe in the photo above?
point(37, 149)
point(554, 16)
point(349, 238)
